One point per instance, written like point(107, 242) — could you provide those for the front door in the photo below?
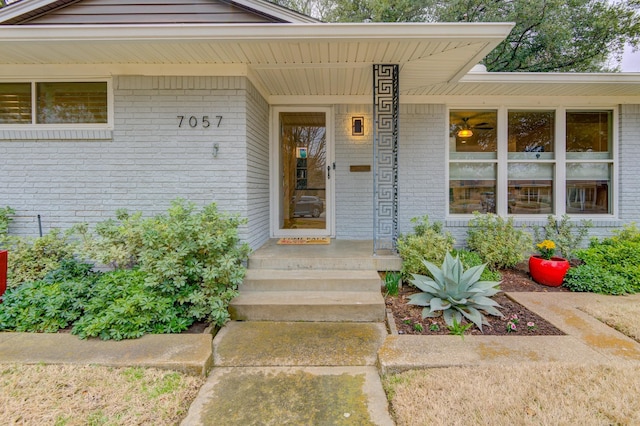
point(305, 172)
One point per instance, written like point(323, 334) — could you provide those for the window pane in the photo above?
point(472, 134)
point(589, 135)
point(530, 188)
point(472, 187)
point(588, 188)
point(72, 102)
point(15, 103)
point(531, 134)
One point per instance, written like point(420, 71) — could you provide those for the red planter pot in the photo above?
point(548, 272)
point(3, 271)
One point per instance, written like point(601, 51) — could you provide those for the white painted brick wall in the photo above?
point(421, 180)
point(149, 161)
point(421, 155)
point(257, 168)
point(354, 190)
point(628, 171)
point(421, 168)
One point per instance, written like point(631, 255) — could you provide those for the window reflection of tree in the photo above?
point(531, 131)
point(588, 131)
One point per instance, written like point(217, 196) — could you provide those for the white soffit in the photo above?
point(539, 84)
point(286, 59)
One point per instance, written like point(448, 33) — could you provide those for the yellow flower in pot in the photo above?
point(547, 249)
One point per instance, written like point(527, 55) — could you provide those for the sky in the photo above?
point(631, 60)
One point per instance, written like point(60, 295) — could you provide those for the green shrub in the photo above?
point(121, 306)
point(470, 259)
point(497, 241)
point(567, 235)
point(5, 218)
point(629, 232)
point(50, 304)
point(193, 257)
point(596, 279)
point(619, 257)
point(454, 293)
point(610, 266)
point(31, 259)
point(187, 265)
point(196, 250)
point(427, 242)
point(117, 242)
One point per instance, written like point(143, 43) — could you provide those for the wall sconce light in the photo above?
point(357, 126)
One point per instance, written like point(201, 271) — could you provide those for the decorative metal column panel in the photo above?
point(385, 157)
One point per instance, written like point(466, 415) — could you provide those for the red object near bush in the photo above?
point(3, 271)
point(548, 272)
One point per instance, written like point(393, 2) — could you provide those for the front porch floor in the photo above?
point(339, 255)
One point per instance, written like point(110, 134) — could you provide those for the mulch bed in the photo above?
point(408, 317)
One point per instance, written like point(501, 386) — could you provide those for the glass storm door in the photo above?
point(304, 199)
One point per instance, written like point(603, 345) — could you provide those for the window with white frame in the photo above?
point(473, 155)
point(530, 161)
point(54, 103)
point(589, 162)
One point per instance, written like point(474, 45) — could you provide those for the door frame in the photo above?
point(275, 183)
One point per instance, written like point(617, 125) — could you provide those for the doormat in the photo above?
point(304, 240)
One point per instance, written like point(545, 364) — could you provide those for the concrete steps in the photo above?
point(333, 306)
point(309, 284)
point(310, 280)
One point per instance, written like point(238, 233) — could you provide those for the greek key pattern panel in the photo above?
point(385, 154)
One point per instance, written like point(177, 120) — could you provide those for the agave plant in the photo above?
point(454, 292)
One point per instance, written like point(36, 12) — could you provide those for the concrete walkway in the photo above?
point(587, 340)
point(188, 353)
point(298, 373)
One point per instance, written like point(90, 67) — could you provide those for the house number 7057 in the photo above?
point(193, 121)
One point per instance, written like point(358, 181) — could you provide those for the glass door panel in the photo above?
point(303, 166)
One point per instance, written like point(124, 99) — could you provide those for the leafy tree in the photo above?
point(379, 11)
point(4, 3)
point(549, 35)
point(319, 9)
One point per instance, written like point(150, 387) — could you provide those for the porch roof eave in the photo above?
point(281, 58)
point(262, 32)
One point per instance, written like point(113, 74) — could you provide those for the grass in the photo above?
point(549, 394)
point(623, 314)
point(92, 395)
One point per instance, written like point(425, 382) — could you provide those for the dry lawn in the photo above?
point(621, 313)
point(91, 395)
point(525, 394)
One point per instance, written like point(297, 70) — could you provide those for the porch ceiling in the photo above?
point(284, 59)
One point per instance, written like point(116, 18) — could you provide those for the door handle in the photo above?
point(333, 165)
